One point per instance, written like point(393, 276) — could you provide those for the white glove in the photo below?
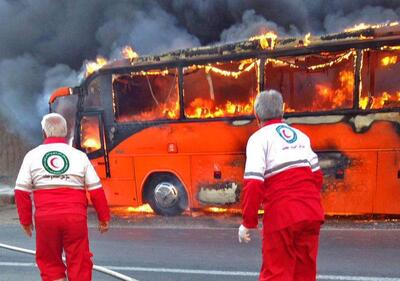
point(244, 235)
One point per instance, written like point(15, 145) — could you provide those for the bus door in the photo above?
point(92, 141)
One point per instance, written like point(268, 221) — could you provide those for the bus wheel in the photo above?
point(166, 195)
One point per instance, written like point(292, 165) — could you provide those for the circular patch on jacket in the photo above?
point(287, 133)
point(55, 162)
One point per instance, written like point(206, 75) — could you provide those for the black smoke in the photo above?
point(44, 43)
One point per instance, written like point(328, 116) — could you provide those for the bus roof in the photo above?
point(270, 44)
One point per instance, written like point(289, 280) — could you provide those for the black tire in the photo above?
point(166, 195)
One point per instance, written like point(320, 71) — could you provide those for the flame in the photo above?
point(202, 108)
point(91, 143)
point(389, 60)
point(359, 26)
point(235, 74)
point(164, 111)
point(90, 138)
point(362, 26)
point(337, 60)
point(93, 66)
point(380, 102)
point(141, 209)
point(390, 48)
point(129, 53)
point(216, 210)
point(363, 102)
point(286, 108)
point(126, 211)
point(171, 112)
point(263, 39)
point(337, 97)
point(307, 40)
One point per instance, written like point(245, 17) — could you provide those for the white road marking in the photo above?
point(217, 272)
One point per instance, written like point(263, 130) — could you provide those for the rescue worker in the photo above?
point(58, 176)
point(282, 173)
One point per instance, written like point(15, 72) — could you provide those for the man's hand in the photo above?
point(244, 235)
point(28, 229)
point(103, 226)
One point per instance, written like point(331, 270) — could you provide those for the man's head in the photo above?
point(54, 125)
point(268, 105)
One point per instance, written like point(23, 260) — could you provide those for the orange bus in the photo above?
point(171, 130)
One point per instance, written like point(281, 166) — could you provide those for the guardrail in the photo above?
point(98, 268)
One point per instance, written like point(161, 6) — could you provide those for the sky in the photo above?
point(45, 43)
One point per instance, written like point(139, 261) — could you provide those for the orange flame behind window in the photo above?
point(363, 102)
point(163, 111)
point(90, 134)
point(337, 97)
point(202, 108)
point(379, 102)
point(386, 98)
point(389, 60)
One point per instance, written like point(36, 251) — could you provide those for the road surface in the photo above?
point(151, 248)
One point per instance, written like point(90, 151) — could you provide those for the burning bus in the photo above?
point(171, 130)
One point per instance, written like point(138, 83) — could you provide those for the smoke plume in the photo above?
point(44, 42)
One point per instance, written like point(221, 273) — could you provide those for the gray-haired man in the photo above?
point(58, 176)
point(282, 173)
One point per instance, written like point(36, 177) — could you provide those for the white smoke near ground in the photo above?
point(43, 43)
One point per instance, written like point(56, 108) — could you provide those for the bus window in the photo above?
point(311, 83)
point(90, 134)
point(380, 85)
point(220, 90)
point(146, 95)
point(93, 98)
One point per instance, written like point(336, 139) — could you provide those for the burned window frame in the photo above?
point(90, 99)
point(150, 68)
point(212, 68)
point(352, 52)
point(370, 97)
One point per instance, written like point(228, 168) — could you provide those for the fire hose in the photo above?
point(95, 267)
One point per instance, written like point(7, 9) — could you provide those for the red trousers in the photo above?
point(66, 232)
point(290, 254)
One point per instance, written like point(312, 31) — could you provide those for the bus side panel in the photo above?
point(348, 155)
point(152, 152)
point(120, 189)
point(379, 135)
point(175, 164)
point(354, 193)
point(217, 179)
point(388, 181)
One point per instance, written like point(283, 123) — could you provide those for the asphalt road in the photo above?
point(205, 248)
